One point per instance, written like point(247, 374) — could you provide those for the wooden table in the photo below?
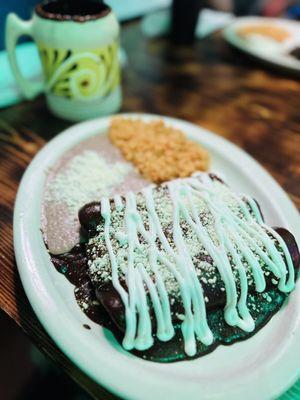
point(208, 84)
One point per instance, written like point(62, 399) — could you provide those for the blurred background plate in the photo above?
point(264, 48)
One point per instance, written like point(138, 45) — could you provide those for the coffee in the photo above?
point(77, 10)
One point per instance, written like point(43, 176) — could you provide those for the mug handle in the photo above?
point(16, 27)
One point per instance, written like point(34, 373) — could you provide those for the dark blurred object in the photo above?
point(184, 19)
point(16, 367)
point(51, 383)
point(26, 374)
point(242, 7)
point(293, 12)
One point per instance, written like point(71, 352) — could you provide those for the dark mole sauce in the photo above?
point(262, 306)
point(74, 266)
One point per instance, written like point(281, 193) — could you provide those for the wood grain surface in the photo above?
point(208, 84)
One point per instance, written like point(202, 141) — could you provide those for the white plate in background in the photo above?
point(276, 55)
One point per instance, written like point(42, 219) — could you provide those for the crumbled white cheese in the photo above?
point(86, 178)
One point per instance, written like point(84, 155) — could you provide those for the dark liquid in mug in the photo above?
point(75, 10)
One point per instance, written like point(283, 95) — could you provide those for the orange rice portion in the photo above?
point(158, 151)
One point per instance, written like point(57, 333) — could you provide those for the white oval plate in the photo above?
point(279, 58)
point(259, 368)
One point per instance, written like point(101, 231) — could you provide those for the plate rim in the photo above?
point(30, 277)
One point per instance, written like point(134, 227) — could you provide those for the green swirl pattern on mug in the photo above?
point(81, 75)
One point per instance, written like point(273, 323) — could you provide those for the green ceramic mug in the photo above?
point(78, 45)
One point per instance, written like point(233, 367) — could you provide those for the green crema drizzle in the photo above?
point(262, 306)
point(240, 238)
